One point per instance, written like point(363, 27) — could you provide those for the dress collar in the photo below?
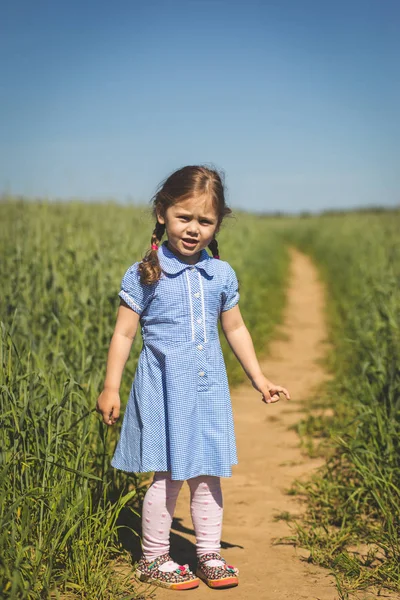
point(171, 264)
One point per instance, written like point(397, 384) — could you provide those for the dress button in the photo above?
point(201, 373)
point(197, 295)
point(200, 347)
point(199, 320)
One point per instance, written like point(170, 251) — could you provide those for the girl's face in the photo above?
point(190, 226)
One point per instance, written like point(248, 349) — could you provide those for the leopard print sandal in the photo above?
point(181, 578)
point(224, 576)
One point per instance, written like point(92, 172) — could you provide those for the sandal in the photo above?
point(181, 578)
point(217, 577)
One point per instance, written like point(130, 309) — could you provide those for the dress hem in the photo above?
point(163, 470)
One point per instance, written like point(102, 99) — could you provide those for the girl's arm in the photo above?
point(240, 341)
point(108, 403)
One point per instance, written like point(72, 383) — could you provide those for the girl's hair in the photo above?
point(188, 182)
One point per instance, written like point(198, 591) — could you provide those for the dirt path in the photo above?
point(269, 461)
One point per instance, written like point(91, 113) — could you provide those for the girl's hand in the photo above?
point(108, 404)
point(270, 392)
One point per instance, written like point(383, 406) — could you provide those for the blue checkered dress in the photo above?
point(179, 416)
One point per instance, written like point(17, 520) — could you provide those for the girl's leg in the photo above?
point(206, 508)
point(158, 510)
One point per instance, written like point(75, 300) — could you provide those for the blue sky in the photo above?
point(297, 101)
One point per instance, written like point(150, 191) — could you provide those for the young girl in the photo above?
point(178, 420)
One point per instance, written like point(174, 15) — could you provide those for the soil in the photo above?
point(270, 460)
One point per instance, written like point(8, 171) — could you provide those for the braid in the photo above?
point(149, 268)
point(157, 234)
point(213, 245)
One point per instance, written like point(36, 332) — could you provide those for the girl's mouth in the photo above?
point(189, 243)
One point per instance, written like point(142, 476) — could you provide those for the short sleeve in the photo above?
point(133, 292)
point(230, 294)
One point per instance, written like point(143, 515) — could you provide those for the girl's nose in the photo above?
point(193, 229)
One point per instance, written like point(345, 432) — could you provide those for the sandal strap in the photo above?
point(210, 556)
point(161, 560)
point(157, 562)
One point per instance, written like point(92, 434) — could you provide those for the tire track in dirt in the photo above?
point(269, 461)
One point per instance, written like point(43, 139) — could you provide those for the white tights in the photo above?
point(159, 507)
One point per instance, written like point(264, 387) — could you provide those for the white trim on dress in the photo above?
point(203, 307)
point(190, 303)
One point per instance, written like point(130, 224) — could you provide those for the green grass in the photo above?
point(353, 519)
point(60, 502)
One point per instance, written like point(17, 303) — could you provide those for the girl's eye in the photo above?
point(206, 222)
